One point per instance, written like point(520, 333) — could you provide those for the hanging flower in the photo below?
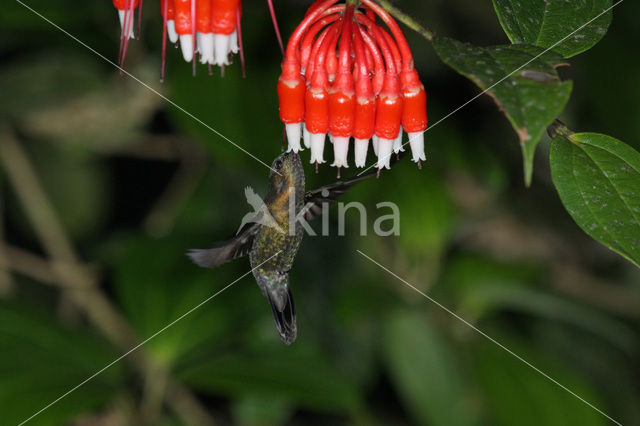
point(345, 75)
point(210, 28)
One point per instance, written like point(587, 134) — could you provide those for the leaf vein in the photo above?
point(622, 198)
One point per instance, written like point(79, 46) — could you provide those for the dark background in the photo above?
point(105, 186)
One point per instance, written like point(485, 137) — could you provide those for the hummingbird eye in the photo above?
point(277, 164)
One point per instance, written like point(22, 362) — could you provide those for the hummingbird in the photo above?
point(272, 235)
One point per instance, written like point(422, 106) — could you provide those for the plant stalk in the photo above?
point(406, 19)
point(558, 128)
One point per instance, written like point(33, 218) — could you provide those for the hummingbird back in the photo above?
point(274, 248)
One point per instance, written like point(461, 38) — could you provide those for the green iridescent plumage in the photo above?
point(272, 235)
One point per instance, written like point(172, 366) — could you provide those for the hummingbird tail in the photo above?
point(284, 315)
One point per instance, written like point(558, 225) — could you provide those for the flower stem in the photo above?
point(406, 19)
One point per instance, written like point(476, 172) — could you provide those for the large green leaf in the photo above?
point(554, 24)
point(424, 371)
point(598, 180)
point(521, 80)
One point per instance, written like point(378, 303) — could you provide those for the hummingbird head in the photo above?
point(287, 172)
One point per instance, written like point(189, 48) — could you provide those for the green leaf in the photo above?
point(551, 24)
point(424, 371)
point(531, 97)
point(598, 180)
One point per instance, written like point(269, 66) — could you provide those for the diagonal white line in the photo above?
point(491, 339)
point(498, 82)
point(88, 379)
point(122, 70)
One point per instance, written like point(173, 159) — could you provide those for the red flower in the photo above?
point(346, 75)
point(210, 28)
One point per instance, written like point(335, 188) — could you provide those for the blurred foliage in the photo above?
point(135, 182)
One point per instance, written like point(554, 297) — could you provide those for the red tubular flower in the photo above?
point(316, 116)
point(342, 96)
point(365, 116)
point(376, 92)
point(414, 113)
point(309, 38)
point(168, 14)
point(291, 91)
point(204, 36)
point(185, 21)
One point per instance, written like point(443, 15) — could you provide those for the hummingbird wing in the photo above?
point(227, 250)
point(330, 193)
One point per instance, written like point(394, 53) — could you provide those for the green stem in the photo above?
point(406, 19)
point(558, 128)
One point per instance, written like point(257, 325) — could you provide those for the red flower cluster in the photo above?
point(346, 75)
point(208, 27)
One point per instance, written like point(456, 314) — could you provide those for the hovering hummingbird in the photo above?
point(272, 235)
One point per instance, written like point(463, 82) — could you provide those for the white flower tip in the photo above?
point(416, 140)
point(317, 147)
point(360, 150)
point(397, 143)
point(306, 136)
point(121, 15)
point(374, 142)
point(385, 148)
point(171, 31)
point(221, 49)
point(186, 45)
point(233, 43)
point(205, 47)
point(340, 151)
point(294, 133)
